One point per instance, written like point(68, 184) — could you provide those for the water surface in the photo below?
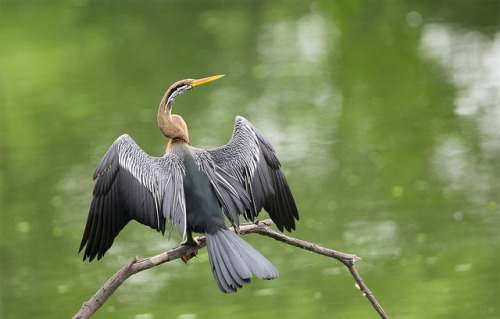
point(385, 116)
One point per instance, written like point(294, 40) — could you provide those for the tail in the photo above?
point(233, 261)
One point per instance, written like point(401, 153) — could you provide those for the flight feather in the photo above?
point(133, 185)
point(252, 160)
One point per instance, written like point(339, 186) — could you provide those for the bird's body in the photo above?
point(192, 188)
point(202, 208)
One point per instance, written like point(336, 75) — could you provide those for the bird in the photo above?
point(193, 189)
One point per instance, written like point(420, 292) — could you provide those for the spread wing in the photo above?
point(133, 185)
point(232, 196)
point(251, 159)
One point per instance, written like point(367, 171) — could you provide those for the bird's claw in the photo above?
point(197, 241)
point(192, 241)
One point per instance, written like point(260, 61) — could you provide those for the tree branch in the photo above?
point(262, 228)
point(347, 259)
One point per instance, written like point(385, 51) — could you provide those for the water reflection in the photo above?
point(472, 61)
point(292, 56)
point(296, 48)
point(375, 239)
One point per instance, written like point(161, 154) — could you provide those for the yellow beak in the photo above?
point(206, 80)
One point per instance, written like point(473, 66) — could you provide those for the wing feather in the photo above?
point(251, 159)
point(132, 185)
point(232, 196)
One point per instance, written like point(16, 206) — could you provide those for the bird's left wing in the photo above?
point(133, 185)
point(251, 159)
point(232, 196)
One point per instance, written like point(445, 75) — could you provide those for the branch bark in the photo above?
point(262, 228)
point(347, 259)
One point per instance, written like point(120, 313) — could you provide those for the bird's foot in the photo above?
point(196, 240)
point(192, 241)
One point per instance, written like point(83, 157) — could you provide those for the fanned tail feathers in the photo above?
point(233, 260)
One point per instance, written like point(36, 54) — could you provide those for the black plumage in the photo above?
point(193, 189)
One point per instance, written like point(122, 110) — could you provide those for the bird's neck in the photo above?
point(176, 142)
point(172, 126)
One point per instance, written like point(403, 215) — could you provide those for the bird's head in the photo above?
point(173, 126)
point(183, 86)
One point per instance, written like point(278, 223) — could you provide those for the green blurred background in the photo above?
point(385, 114)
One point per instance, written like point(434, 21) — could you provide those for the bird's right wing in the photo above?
point(133, 185)
point(251, 159)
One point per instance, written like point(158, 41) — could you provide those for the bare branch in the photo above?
point(262, 228)
point(347, 259)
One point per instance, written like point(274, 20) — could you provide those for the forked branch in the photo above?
point(262, 228)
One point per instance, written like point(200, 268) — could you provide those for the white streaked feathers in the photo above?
point(232, 197)
point(240, 156)
point(161, 176)
point(245, 175)
point(231, 170)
